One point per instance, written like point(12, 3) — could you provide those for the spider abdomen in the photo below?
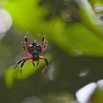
point(35, 57)
point(34, 49)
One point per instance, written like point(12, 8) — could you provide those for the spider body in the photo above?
point(33, 50)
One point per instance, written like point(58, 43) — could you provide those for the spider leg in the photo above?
point(38, 63)
point(44, 48)
point(43, 40)
point(42, 45)
point(18, 62)
point(22, 66)
point(23, 45)
point(46, 63)
point(22, 61)
point(24, 48)
point(26, 41)
point(33, 63)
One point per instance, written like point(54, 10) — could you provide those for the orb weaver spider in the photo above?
point(33, 50)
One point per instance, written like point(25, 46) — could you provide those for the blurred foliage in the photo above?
point(26, 13)
point(99, 95)
point(58, 98)
point(71, 26)
point(72, 38)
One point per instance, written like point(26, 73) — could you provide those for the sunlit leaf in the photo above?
point(76, 39)
point(26, 14)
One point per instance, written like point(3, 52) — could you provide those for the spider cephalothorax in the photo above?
point(33, 50)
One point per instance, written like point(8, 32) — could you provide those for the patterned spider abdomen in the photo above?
point(34, 49)
point(35, 57)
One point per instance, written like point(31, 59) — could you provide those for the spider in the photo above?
point(33, 50)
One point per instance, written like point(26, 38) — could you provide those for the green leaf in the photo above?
point(76, 39)
point(11, 75)
point(26, 14)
